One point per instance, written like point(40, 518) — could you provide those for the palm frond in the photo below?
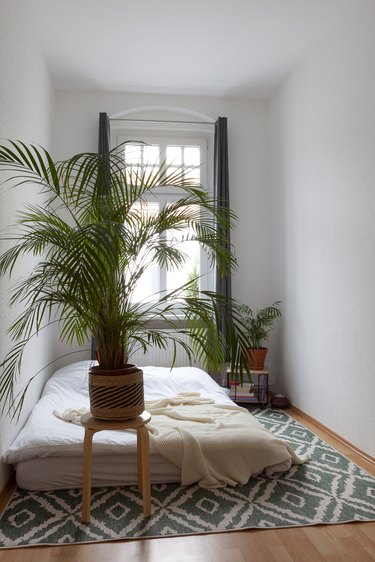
point(93, 239)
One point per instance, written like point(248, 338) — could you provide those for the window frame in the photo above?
point(170, 134)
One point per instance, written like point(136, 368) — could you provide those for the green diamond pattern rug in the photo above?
point(327, 489)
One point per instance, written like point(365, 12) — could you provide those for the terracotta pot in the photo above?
point(116, 395)
point(256, 358)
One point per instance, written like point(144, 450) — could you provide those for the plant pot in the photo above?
point(256, 358)
point(279, 401)
point(116, 395)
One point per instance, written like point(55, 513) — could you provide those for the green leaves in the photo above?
point(259, 322)
point(93, 241)
point(31, 164)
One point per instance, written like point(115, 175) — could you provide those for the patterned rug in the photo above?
point(327, 489)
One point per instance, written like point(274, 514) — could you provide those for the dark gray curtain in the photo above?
point(104, 133)
point(103, 177)
point(103, 148)
point(221, 192)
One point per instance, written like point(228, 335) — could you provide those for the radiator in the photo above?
point(163, 357)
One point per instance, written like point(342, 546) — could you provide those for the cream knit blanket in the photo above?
point(214, 444)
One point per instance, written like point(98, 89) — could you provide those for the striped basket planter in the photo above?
point(116, 395)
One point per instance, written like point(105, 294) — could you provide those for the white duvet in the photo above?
point(44, 435)
point(47, 436)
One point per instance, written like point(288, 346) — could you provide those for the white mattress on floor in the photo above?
point(47, 453)
point(53, 473)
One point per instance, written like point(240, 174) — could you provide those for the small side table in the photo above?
point(93, 425)
point(257, 394)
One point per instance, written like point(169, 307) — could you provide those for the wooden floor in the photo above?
point(350, 542)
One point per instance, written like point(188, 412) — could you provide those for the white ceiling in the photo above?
point(197, 47)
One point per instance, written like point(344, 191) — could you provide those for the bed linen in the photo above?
point(47, 453)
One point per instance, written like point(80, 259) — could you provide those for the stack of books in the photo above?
point(248, 392)
point(242, 392)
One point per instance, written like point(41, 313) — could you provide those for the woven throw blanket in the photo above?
point(73, 415)
point(214, 444)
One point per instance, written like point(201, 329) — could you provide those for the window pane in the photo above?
point(132, 154)
point(149, 283)
point(192, 155)
point(194, 175)
point(143, 162)
point(182, 240)
point(189, 270)
point(192, 158)
point(151, 154)
point(174, 155)
point(148, 286)
point(150, 173)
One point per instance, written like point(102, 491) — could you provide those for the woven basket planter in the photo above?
point(116, 395)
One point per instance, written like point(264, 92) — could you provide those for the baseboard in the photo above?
point(6, 493)
point(331, 433)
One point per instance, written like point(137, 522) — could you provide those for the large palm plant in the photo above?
point(94, 241)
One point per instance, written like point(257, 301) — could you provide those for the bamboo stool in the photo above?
point(93, 425)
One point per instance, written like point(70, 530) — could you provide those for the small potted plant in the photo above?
point(258, 322)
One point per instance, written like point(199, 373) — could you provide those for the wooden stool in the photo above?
point(93, 425)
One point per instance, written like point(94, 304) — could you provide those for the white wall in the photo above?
point(77, 130)
point(322, 135)
point(25, 109)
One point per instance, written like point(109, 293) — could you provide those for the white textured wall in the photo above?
point(77, 130)
point(323, 176)
point(25, 108)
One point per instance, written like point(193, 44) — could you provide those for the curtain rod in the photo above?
point(163, 121)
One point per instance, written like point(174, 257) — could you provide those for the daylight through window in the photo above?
point(143, 161)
